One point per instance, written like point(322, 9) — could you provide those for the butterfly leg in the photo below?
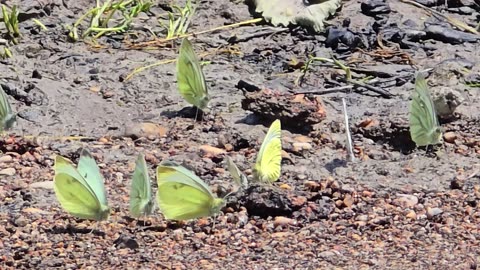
point(196, 115)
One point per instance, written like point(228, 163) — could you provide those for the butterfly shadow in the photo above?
point(254, 120)
point(190, 112)
point(143, 225)
point(336, 163)
point(73, 230)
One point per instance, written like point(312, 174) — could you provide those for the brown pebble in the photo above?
point(312, 185)
point(210, 151)
point(228, 147)
point(283, 221)
point(411, 215)
point(348, 201)
point(450, 137)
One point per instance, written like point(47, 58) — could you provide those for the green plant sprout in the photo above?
point(102, 15)
point(40, 24)
point(312, 59)
point(5, 53)
point(10, 19)
point(179, 26)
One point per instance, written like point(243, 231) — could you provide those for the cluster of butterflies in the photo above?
point(181, 194)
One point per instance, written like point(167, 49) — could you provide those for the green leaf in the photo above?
point(309, 14)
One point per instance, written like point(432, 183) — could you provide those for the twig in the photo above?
point(377, 90)
point(160, 41)
point(168, 61)
point(451, 21)
point(327, 91)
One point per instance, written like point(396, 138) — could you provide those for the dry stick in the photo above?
point(451, 21)
point(159, 41)
point(341, 89)
point(168, 61)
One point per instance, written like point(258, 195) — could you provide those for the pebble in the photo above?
point(411, 215)
point(450, 137)
point(8, 171)
point(146, 129)
point(431, 212)
point(302, 139)
point(42, 185)
point(406, 200)
point(20, 222)
point(283, 221)
point(6, 159)
point(211, 151)
point(300, 146)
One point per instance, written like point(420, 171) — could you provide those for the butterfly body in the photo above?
point(80, 190)
point(267, 167)
point(424, 126)
point(190, 78)
point(182, 195)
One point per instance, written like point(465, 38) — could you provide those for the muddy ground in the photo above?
point(395, 207)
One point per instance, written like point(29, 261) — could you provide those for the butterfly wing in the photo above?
point(424, 126)
point(141, 203)
point(182, 195)
point(190, 78)
point(239, 178)
point(74, 193)
point(7, 117)
point(88, 169)
point(268, 164)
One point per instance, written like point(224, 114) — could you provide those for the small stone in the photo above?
point(431, 212)
point(20, 222)
point(299, 147)
point(228, 147)
point(139, 130)
point(362, 218)
point(285, 186)
point(8, 171)
point(283, 221)
point(327, 254)
point(6, 159)
point(108, 94)
point(450, 137)
point(211, 151)
point(348, 201)
point(42, 185)
point(311, 185)
point(303, 139)
point(411, 215)
point(445, 230)
point(406, 200)
point(356, 237)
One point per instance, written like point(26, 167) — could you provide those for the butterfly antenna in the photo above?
point(349, 136)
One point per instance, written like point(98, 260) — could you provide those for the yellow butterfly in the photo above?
point(268, 165)
point(182, 195)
